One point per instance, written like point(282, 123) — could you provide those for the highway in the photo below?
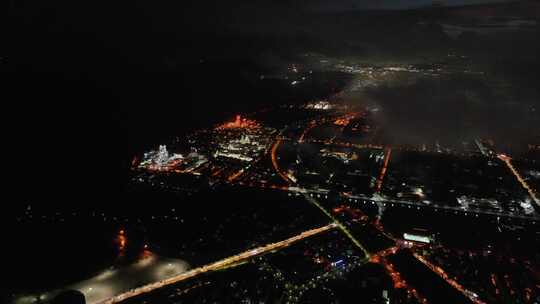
point(343, 144)
point(508, 161)
point(440, 272)
point(338, 224)
point(380, 180)
point(397, 279)
point(216, 265)
point(311, 125)
point(418, 205)
point(274, 160)
point(390, 202)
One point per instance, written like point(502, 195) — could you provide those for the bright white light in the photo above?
point(417, 238)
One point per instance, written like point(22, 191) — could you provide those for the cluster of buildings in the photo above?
point(239, 123)
point(245, 148)
point(162, 160)
point(319, 105)
point(222, 153)
point(344, 156)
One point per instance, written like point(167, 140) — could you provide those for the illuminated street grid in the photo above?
point(341, 152)
point(501, 279)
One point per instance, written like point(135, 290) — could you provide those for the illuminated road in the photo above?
point(303, 135)
point(380, 257)
point(383, 170)
point(240, 172)
point(410, 204)
point(440, 272)
point(342, 121)
point(215, 266)
point(342, 144)
point(508, 161)
point(339, 224)
point(397, 279)
point(235, 175)
point(274, 160)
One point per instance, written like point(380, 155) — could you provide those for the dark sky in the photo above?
point(339, 5)
point(360, 4)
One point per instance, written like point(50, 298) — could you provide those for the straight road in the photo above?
point(216, 265)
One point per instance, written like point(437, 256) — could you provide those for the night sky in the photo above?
point(386, 4)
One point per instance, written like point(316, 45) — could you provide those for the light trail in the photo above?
point(239, 173)
point(216, 265)
point(508, 161)
point(235, 175)
point(441, 273)
point(303, 135)
point(383, 170)
point(218, 171)
point(375, 258)
point(342, 120)
point(391, 202)
point(398, 280)
point(339, 225)
point(274, 160)
point(343, 144)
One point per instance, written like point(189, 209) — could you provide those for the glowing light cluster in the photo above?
point(239, 123)
point(345, 120)
point(320, 105)
point(121, 240)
